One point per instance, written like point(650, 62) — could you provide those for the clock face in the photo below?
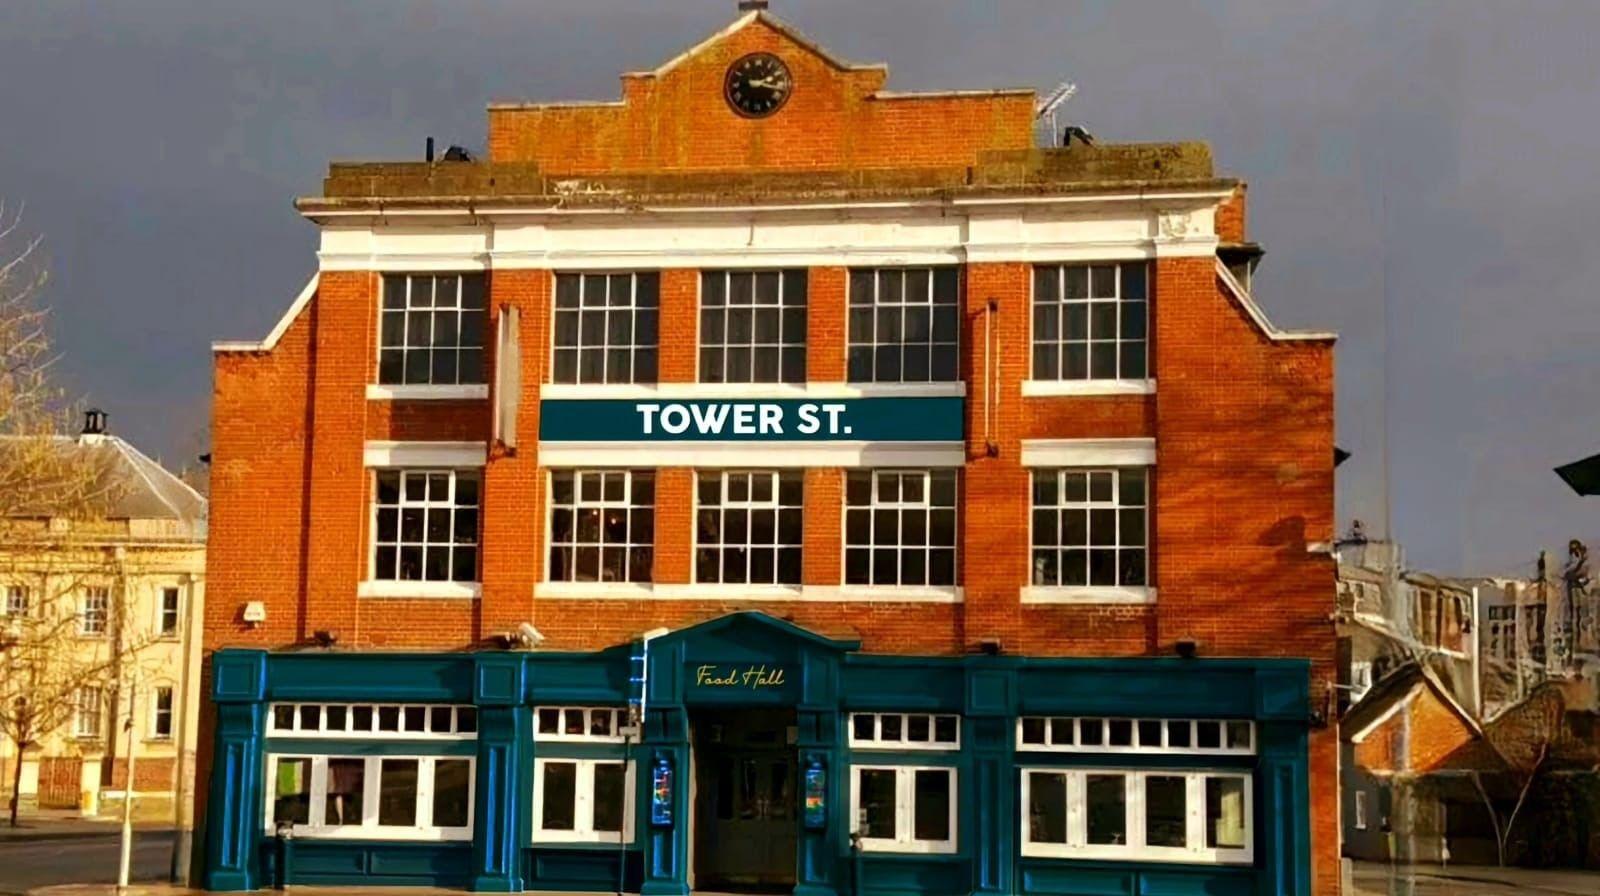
point(757, 85)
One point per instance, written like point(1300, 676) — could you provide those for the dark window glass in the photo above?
point(430, 329)
point(610, 793)
point(347, 784)
point(900, 527)
point(452, 789)
point(292, 792)
point(877, 788)
point(903, 325)
point(753, 326)
point(397, 793)
point(606, 328)
point(1047, 807)
point(932, 805)
point(1091, 321)
point(426, 526)
point(1089, 527)
point(559, 796)
point(604, 525)
point(1107, 810)
point(749, 527)
point(1165, 814)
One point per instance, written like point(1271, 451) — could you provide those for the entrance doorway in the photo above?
point(746, 814)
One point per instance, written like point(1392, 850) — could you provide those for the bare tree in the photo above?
point(1524, 737)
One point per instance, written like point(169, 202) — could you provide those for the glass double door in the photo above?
point(746, 811)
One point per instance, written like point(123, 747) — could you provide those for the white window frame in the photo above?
point(155, 732)
point(404, 388)
point(16, 603)
point(1087, 506)
point(369, 829)
point(1118, 382)
point(787, 342)
point(393, 579)
point(725, 504)
point(1225, 736)
point(93, 594)
point(905, 301)
point(300, 712)
point(619, 720)
point(905, 809)
point(1135, 850)
point(928, 547)
point(605, 347)
point(579, 504)
point(877, 741)
point(89, 724)
point(583, 809)
point(162, 594)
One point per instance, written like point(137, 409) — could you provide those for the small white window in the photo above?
point(374, 721)
point(161, 713)
point(372, 797)
point(1361, 810)
point(16, 601)
point(93, 611)
point(905, 731)
point(168, 618)
point(1151, 815)
point(1102, 735)
point(591, 724)
point(88, 715)
point(904, 808)
point(582, 801)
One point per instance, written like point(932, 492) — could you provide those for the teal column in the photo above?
point(505, 739)
point(234, 813)
point(987, 810)
point(666, 847)
point(1283, 810)
point(817, 853)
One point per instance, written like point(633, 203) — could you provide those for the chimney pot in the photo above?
point(752, 5)
point(94, 422)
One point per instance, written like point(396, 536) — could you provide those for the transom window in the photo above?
point(748, 527)
point(426, 526)
point(1103, 735)
point(582, 800)
point(94, 611)
point(591, 724)
point(411, 721)
point(905, 731)
point(431, 331)
point(904, 808)
point(1090, 527)
point(900, 527)
point(1090, 321)
point(605, 327)
point(602, 525)
point(372, 797)
point(904, 324)
point(753, 326)
point(1172, 816)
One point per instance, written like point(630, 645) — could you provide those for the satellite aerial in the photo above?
point(1046, 109)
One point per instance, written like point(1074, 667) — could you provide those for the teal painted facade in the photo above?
point(822, 680)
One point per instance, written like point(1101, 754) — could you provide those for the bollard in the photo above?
point(285, 832)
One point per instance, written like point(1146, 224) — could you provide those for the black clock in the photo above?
point(757, 85)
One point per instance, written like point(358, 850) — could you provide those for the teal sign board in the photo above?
point(753, 420)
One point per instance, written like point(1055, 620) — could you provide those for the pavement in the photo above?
point(1477, 880)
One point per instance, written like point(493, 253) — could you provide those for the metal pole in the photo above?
point(127, 791)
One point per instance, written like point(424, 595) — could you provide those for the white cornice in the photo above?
point(752, 454)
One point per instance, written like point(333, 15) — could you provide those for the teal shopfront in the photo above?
point(748, 754)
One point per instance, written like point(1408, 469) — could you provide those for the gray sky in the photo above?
point(1440, 153)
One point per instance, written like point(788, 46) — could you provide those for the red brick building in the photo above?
point(755, 476)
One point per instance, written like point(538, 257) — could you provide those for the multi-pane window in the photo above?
point(89, 712)
point(753, 326)
point(1090, 322)
point(900, 527)
point(16, 601)
point(94, 610)
point(904, 808)
point(1090, 527)
point(582, 800)
point(426, 526)
point(386, 721)
point(1106, 735)
point(903, 325)
point(587, 724)
point(605, 328)
point(748, 527)
point(431, 332)
point(161, 713)
point(167, 616)
point(373, 797)
point(602, 525)
point(904, 731)
point(1156, 815)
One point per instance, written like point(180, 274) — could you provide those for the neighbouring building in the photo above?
point(100, 606)
point(773, 481)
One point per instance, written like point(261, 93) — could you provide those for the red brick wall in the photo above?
point(678, 121)
point(1231, 217)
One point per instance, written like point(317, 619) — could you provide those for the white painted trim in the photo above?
point(449, 590)
point(583, 802)
point(383, 453)
point(427, 393)
point(1137, 452)
point(1088, 594)
point(1049, 388)
point(733, 593)
point(1243, 298)
point(717, 391)
point(905, 809)
point(762, 455)
point(271, 342)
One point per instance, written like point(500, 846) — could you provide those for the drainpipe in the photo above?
point(183, 808)
point(639, 681)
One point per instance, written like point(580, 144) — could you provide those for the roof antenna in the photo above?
point(1044, 111)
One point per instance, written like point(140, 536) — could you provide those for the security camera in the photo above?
point(529, 636)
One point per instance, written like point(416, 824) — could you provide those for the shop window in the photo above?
point(753, 326)
point(1090, 322)
point(1098, 735)
point(1090, 527)
point(606, 328)
point(582, 801)
point(904, 808)
point(369, 721)
point(900, 527)
point(592, 724)
point(748, 527)
point(431, 331)
point(426, 525)
point(1152, 815)
point(903, 731)
point(372, 797)
point(602, 525)
point(903, 325)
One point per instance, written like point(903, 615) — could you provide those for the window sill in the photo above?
point(1045, 388)
point(450, 590)
point(428, 393)
point(751, 593)
point(353, 832)
point(1037, 594)
point(1209, 856)
point(890, 847)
